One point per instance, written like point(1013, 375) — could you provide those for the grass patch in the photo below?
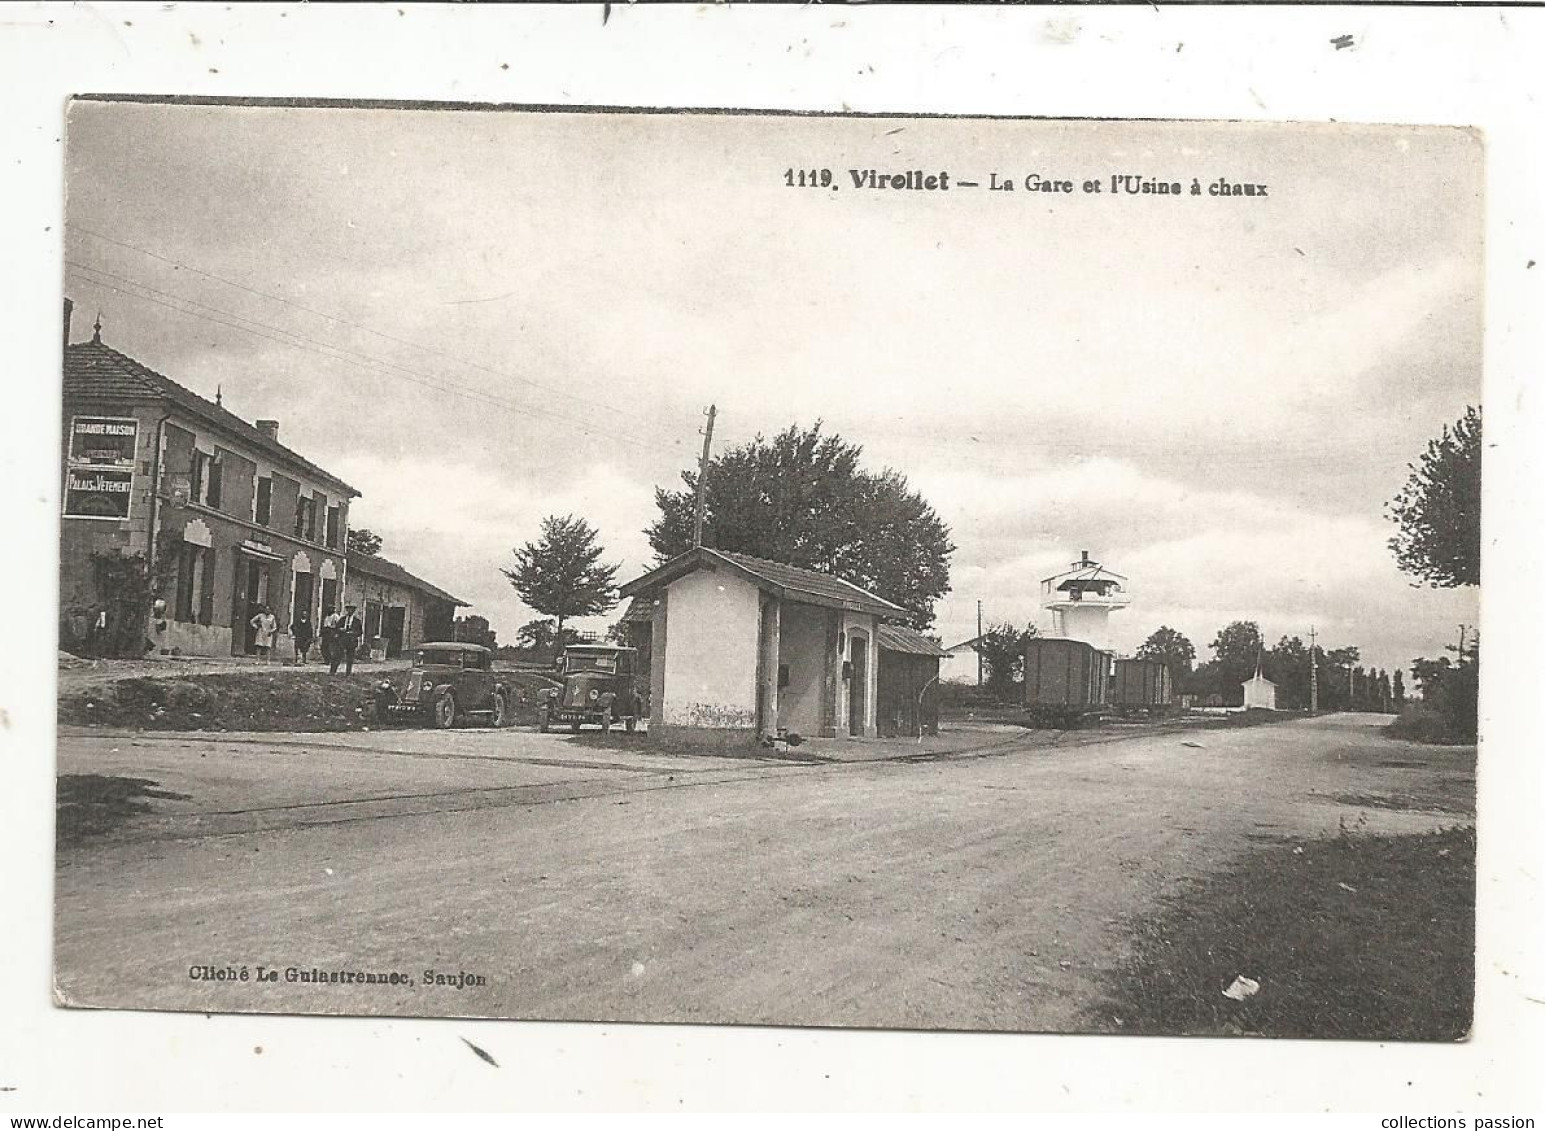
point(283, 699)
point(1393, 958)
point(259, 700)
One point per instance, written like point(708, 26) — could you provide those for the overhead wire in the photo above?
point(330, 317)
point(361, 360)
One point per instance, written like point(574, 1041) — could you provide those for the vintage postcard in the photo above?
point(735, 568)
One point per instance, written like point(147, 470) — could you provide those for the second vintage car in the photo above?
point(600, 686)
point(448, 683)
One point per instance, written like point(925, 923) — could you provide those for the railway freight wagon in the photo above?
point(1066, 681)
point(1143, 686)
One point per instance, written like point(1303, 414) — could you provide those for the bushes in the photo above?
point(1420, 722)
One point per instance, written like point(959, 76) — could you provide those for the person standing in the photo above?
point(351, 630)
point(300, 628)
point(329, 639)
point(264, 627)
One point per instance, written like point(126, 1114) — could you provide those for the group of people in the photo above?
point(342, 632)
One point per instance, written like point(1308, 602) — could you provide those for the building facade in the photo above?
point(218, 516)
point(400, 611)
point(908, 686)
point(741, 648)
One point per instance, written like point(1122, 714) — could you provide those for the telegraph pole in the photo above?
point(1462, 629)
point(702, 482)
point(1314, 676)
point(979, 645)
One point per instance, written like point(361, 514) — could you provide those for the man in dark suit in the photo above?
point(350, 631)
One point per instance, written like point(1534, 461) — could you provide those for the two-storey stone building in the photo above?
point(225, 518)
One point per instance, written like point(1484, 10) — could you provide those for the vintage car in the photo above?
point(448, 683)
point(600, 686)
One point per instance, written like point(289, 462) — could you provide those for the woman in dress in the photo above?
point(264, 627)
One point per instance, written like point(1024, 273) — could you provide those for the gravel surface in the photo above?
point(588, 879)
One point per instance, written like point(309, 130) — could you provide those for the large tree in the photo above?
point(1289, 664)
point(1438, 511)
point(364, 541)
point(1172, 647)
point(1236, 650)
point(801, 498)
point(561, 575)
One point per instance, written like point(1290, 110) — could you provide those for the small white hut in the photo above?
point(1260, 691)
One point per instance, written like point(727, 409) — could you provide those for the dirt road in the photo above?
point(990, 890)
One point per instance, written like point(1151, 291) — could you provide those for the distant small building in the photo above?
point(1260, 691)
point(961, 663)
point(742, 647)
point(400, 611)
point(909, 682)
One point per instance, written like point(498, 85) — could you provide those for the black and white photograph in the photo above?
point(819, 570)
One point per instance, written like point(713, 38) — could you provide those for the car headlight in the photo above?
point(594, 694)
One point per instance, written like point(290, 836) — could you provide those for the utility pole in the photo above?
point(979, 645)
point(1314, 676)
point(1462, 629)
point(702, 482)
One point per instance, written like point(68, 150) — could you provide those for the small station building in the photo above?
point(741, 648)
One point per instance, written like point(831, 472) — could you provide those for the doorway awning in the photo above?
point(258, 550)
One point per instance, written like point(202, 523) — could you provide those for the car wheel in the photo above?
point(445, 711)
point(501, 710)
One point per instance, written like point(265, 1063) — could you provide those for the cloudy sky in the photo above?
point(480, 318)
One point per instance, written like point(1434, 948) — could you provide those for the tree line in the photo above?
point(801, 497)
point(804, 498)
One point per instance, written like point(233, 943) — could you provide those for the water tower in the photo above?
point(1081, 600)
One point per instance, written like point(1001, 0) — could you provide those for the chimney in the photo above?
point(269, 428)
point(69, 309)
point(1085, 555)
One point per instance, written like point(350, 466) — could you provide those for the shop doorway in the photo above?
point(251, 594)
point(302, 602)
point(858, 686)
point(393, 625)
point(329, 598)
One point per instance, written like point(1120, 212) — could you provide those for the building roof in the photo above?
point(1085, 575)
point(386, 570)
point(640, 610)
point(806, 586)
point(971, 644)
point(1085, 571)
point(95, 372)
point(899, 638)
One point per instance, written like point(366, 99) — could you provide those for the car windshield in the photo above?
point(590, 663)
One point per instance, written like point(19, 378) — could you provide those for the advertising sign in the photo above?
point(103, 440)
point(92, 492)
